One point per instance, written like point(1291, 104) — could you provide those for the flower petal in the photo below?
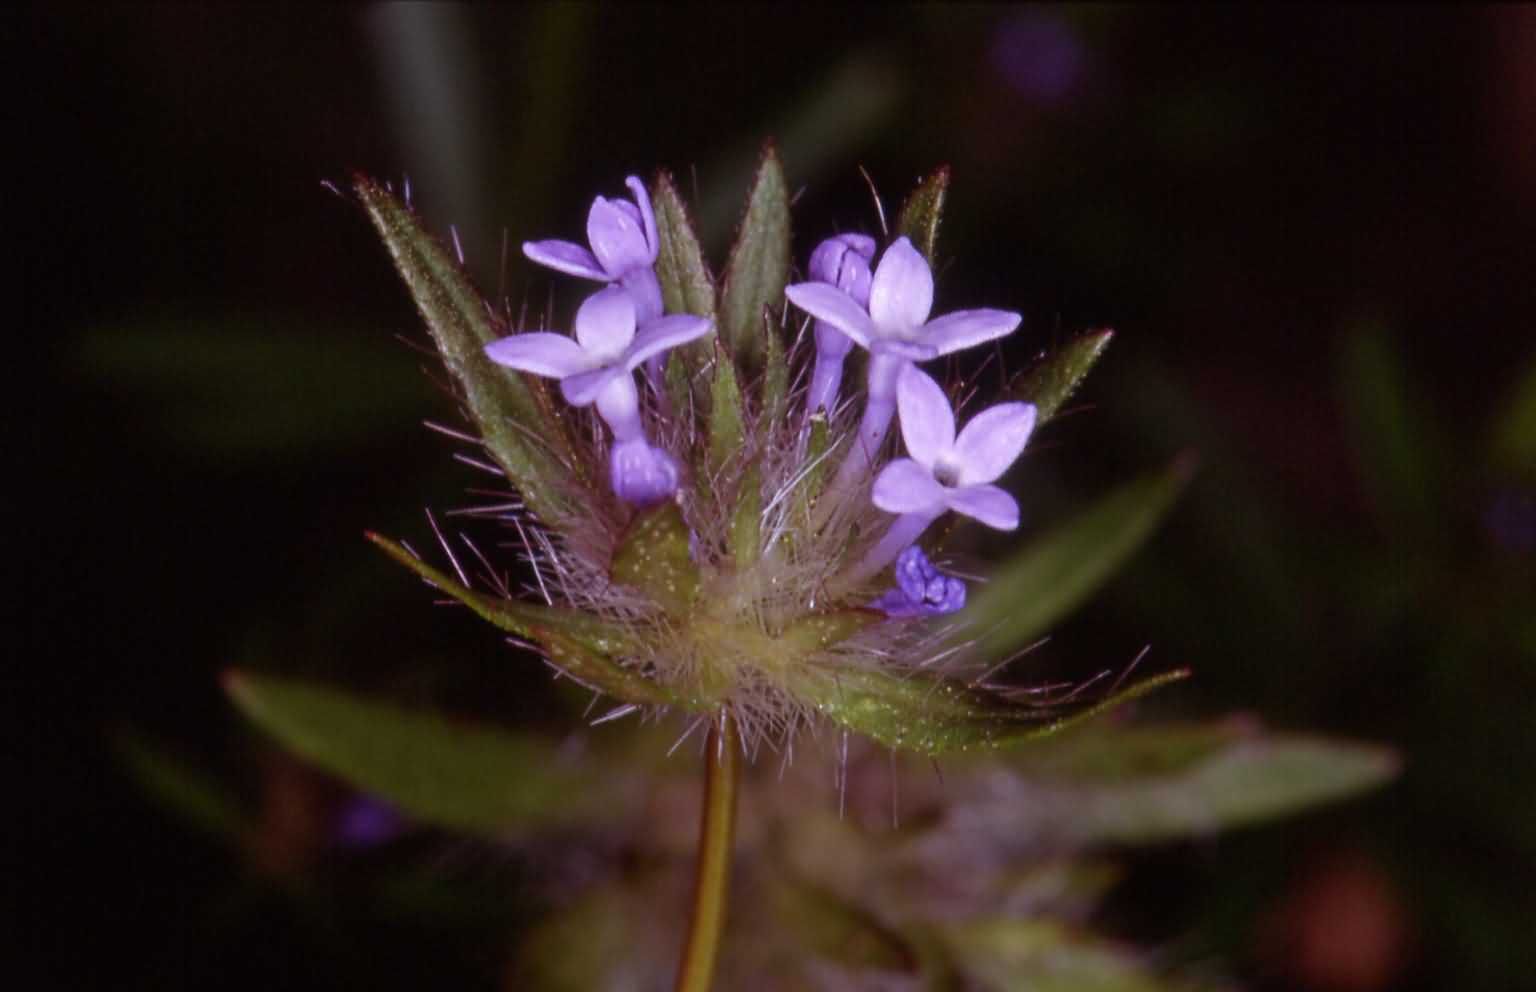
point(992, 441)
point(904, 486)
point(665, 333)
point(987, 504)
point(966, 328)
point(647, 215)
point(605, 324)
point(642, 474)
point(910, 350)
point(584, 387)
point(901, 295)
point(833, 306)
point(541, 353)
point(616, 236)
point(564, 256)
point(927, 422)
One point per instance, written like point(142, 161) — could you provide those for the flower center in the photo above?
point(946, 473)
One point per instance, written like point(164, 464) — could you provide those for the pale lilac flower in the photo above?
point(841, 261)
point(897, 332)
point(598, 367)
point(945, 471)
point(624, 248)
point(921, 589)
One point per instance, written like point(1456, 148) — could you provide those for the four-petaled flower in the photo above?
point(597, 367)
point(945, 471)
point(624, 249)
point(896, 331)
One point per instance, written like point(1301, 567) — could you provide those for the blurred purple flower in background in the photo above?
point(1040, 56)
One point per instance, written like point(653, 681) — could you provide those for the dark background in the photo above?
point(1313, 230)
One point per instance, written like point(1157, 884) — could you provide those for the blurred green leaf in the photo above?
point(924, 209)
point(254, 385)
point(512, 410)
point(1513, 447)
point(583, 645)
point(451, 772)
point(1150, 784)
point(1056, 377)
point(655, 558)
point(759, 265)
point(1010, 954)
point(929, 715)
point(1391, 431)
point(833, 929)
point(1041, 584)
point(202, 801)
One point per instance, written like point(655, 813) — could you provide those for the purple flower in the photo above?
point(896, 331)
point(624, 249)
point(841, 261)
point(945, 471)
point(598, 367)
point(921, 590)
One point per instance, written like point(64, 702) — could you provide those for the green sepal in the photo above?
point(653, 558)
point(930, 715)
point(920, 215)
point(727, 417)
point(686, 284)
point(510, 408)
point(1058, 570)
point(583, 645)
point(759, 265)
point(747, 521)
point(450, 772)
point(775, 388)
point(1056, 377)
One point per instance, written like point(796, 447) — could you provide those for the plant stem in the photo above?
point(717, 830)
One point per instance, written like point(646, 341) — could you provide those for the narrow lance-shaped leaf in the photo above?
point(1151, 784)
point(1056, 377)
point(581, 644)
point(934, 716)
point(449, 772)
point(727, 418)
point(924, 209)
point(1046, 580)
point(510, 409)
point(759, 265)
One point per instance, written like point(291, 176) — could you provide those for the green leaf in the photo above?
point(759, 265)
point(1045, 581)
point(654, 557)
point(1021, 954)
point(584, 646)
point(746, 521)
point(921, 214)
point(201, 800)
point(1053, 381)
point(513, 411)
point(931, 716)
point(834, 929)
point(1513, 448)
point(1150, 784)
point(1391, 431)
point(445, 771)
